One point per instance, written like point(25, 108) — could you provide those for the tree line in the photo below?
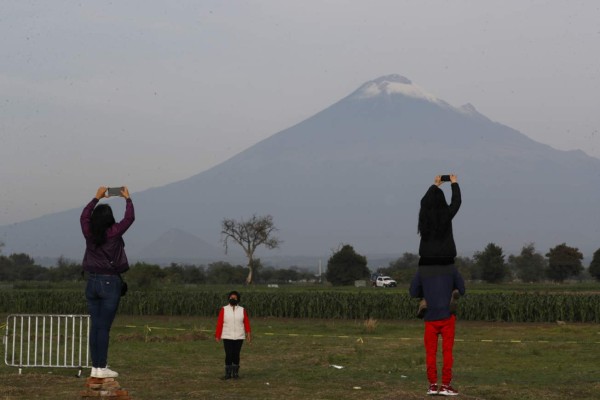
point(144, 275)
point(345, 266)
point(22, 267)
point(490, 265)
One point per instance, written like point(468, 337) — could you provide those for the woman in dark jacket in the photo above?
point(104, 260)
point(437, 245)
point(438, 280)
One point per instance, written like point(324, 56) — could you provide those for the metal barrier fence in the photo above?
point(46, 340)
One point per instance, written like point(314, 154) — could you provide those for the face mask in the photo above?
point(233, 302)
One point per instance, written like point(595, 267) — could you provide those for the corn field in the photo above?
point(508, 307)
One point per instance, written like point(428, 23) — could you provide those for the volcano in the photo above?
point(354, 173)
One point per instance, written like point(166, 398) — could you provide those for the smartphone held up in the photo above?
point(114, 191)
point(445, 178)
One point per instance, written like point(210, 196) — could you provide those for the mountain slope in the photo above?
point(176, 245)
point(355, 173)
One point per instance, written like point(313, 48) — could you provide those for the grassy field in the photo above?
point(292, 358)
point(491, 303)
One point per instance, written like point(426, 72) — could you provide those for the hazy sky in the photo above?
point(145, 93)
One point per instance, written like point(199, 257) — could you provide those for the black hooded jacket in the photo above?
point(440, 249)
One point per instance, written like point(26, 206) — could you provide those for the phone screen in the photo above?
point(114, 191)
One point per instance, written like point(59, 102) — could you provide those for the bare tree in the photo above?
point(250, 234)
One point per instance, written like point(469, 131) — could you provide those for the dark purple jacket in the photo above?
point(97, 259)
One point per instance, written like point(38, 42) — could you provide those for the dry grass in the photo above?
point(370, 325)
point(294, 362)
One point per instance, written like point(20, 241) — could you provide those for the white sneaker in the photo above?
point(94, 372)
point(105, 373)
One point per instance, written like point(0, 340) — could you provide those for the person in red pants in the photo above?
point(437, 279)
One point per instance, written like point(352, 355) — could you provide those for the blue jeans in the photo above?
point(103, 293)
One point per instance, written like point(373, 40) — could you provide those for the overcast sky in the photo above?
point(145, 93)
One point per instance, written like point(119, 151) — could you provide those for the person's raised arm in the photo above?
point(125, 192)
point(456, 200)
point(121, 227)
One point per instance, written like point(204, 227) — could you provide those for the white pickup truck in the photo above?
point(383, 281)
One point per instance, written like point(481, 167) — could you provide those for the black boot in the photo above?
point(235, 369)
point(228, 369)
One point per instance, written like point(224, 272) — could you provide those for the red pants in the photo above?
point(433, 329)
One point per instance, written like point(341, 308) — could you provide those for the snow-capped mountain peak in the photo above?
point(391, 85)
